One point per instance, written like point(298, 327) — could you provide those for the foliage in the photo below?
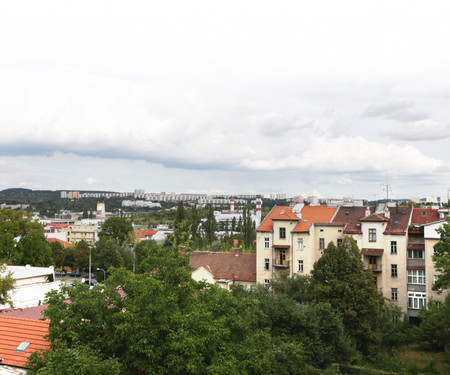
point(434, 329)
point(69, 257)
point(210, 226)
point(117, 228)
point(81, 251)
point(441, 257)
point(35, 250)
point(248, 228)
point(6, 284)
point(340, 278)
point(106, 254)
point(57, 253)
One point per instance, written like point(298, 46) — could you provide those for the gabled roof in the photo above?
point(376, 217)
point(314, 215)
point(349, 218)
point(226, 265)
point(399, 220)
point(143, 233)
point(421, 216)
point(277, 213)
point(14, 331)
point(36, 312)
point(64, 243)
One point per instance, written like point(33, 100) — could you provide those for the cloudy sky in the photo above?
point(333, 98)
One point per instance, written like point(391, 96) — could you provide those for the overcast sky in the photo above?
point(332, 98)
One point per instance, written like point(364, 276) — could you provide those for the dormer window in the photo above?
point(424, 213)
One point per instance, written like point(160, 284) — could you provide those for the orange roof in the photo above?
point(14, 331)
point(142, 233)
point(422, 216)
point(314, 214)
point(65, 243)
point(277, 213)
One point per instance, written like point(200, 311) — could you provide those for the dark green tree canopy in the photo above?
point(117, 228)
point(441, 257)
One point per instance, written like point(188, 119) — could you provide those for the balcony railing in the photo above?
point(375, 267)
point(282, 263)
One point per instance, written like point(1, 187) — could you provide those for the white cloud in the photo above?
point(419, 131)
point(91, 181)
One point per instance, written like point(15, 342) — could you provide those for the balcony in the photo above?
point(281, 263)
point(376, 268)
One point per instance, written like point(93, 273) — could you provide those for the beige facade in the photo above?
point(77, 233)
point(400, 261)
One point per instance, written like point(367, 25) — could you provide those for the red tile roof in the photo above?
point(423, 216)
point(399, 220)
point(35, 312)
point(143, 233)
point(349, 218)
point(64, 243)
point(416, 246)
point(314, 214)
point(14, 331)
point(57, 225)
point(376, 217)
point(226, 265)
point(277, 213)
point(372, 252)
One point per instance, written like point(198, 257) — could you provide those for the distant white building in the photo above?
point(32, 284)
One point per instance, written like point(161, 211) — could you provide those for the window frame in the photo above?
point(266, 243)
point(300, 244)
point(321, 243)
point(372, 234)
point(393, 247)
point(282, 233)
point(300, 265)
point(266, 264)
point(416, 300)
point(339, 241)
point(413, 252)
point(417, 277)
point(394, 270)
point(394, 294)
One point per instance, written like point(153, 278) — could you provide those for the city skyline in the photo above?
point(328, 99)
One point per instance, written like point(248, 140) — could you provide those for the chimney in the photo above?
point(231, 204)
point(258, 210)
point(237, 251)
point(367, 211)
point(387, 213)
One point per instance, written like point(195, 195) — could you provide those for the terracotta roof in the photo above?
point(277, 213)
point(14, 331)
point(226, 265)
point(374, 218)
point(372, 252)
point(349, 218)
point(57, 225)
point(142, 233)
point(314, 214)
point(64, 243)
point(399, 220)
point(422, 216)
point(35, 312)
point(416, 267)
point(416, 246)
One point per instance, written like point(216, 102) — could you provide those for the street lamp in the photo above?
point(104, 274)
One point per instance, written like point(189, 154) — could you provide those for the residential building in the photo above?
point(291, 239)
point(224, 268)
point(88, 233)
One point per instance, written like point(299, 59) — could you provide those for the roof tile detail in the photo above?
point(372, 252)
point(423, 216)
point(226, 265)
point(314, 215)
point(14, 331)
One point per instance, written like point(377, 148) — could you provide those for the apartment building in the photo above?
point(88, 233)
point(291, 239)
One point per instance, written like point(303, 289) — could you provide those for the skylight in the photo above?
point(22, 347)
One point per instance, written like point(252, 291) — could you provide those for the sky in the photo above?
point(327, 98)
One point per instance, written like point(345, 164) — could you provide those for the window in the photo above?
point(266, 242)
point(282, 233)
point(372, 235)
point(266, 282)
point(266, 263)
point(299, 243)
point(300, 266)
point(321, 243)
point(393, 247)
point(416, 300)
point(416, 254)
point(394, 270)
point(416, 277)
point(394, 294)
point(339, 241)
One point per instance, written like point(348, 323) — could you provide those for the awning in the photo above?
point(372, 252)
point(281, 246)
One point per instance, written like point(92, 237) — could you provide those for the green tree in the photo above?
point(81, 251)
point(117, 228)
point(434, 329)
point(57, 253)
point(441, 257)
point(106, 254)
point(195, 222)
point(233, 224)
point(210, 226)
point(247, 229)
point(35, 250)
point(69, 257)
point(7, 283)
point(340, 278)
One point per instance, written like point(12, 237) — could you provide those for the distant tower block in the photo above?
point(258, 210)
point(231, 204)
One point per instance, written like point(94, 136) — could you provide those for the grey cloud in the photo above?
point(396, 110)
point(418, 131)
